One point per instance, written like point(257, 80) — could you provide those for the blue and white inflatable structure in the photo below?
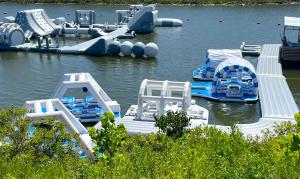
point(234, 80)
point(213, 58)
point(40, 109)
point(37, 22)
point(17, 32)
point(143, 19)
point(72, 111)
point(11, 34)
point(155, 99)
point(92, 107)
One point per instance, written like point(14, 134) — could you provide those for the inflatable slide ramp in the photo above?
point(37, 22)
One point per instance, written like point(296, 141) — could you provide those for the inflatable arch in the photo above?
point(241, 68)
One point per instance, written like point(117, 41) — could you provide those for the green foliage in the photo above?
point(296, 138)
point(173, 123)
point(50, 140)
point(20, 148)
point(109, 138)
point(14, 132)
point(203, 152)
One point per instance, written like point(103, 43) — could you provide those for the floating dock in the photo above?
point(276, 100)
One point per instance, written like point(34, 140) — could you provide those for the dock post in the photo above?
point(57, 41)
point(40, 41)
point(48, 41)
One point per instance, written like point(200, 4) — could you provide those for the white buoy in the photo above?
point(9, 19)
point(126, 48)
point(151, 50)
point(168, 22)
point(60, 20)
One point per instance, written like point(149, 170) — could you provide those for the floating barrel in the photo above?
point(114, 48)
point(151, 50)
point(11, 34)
point(60, 20)
point(9, 19)
point(168, 22)
point(138, 49)
point(126, 48)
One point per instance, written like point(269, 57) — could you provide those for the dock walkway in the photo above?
point(276, 100)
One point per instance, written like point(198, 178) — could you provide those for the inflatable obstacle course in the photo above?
point(16, 32)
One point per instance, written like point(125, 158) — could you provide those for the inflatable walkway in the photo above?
point(39, 109)
point(97, 46)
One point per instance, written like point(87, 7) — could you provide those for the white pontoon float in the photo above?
point(155, 99)
point(213, 58)
point(92, 107)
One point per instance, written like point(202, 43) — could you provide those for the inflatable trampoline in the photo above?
point(87, 110)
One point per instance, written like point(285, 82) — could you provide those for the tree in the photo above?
point(14, 132)
point(296, 138)
point(49, 139)
point(173, 123)
point(110, 137)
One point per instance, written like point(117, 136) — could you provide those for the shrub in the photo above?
point(296, 138)
point(110, 137)
point(23, 152)
point(173, 123)
point(201, 152)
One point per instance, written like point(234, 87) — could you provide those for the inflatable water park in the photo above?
point(226, 76)
point(33, 30)
point(73, 111)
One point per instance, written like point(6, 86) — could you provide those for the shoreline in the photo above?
point(228, 4)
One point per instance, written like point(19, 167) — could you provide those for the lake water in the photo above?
point(28, 76)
